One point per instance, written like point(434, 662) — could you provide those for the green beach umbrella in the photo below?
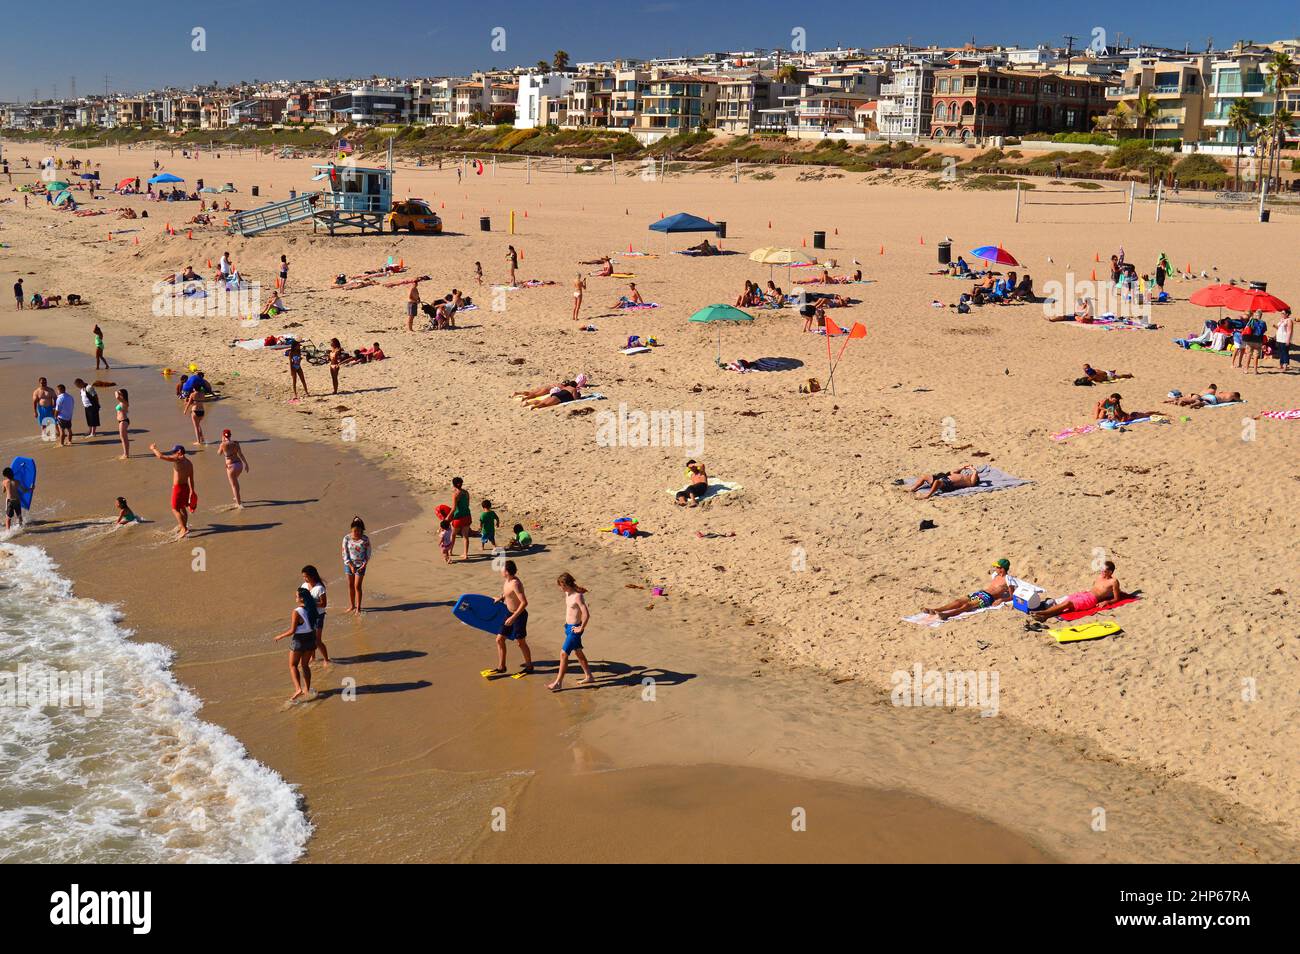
point(58, 185)
point(719, 314)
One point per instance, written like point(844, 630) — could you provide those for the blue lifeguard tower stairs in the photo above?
point(355, 197)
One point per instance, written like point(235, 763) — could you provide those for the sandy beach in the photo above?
point(773, 652)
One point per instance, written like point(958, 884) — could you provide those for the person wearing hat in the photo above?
point(185, 497)
point(997, 591)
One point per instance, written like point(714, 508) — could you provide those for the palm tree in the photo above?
point(1116, 120)
point(787, 73)
point(543, 66)
point(1284, 72)
point(1279, 124)
point(1146, 110)
point(1242, 121)
point(560, 61)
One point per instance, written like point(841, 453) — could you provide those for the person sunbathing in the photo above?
point(1210, 397)
point(704, 248)
point(1111, 409)
point(1102, 377)
point(1082, 313)
point(545, 389)
point(606, 268)
point(562, 393)
point(632, 298)
point(941, 483)
point(1105, 590)
point(997, 591)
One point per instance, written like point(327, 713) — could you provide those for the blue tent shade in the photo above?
point(683, 222)
point(166, 177)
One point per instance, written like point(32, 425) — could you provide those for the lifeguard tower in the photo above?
point(354, 197)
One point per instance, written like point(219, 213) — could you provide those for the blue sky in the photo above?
point(147, 44)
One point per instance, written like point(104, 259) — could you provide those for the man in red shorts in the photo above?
point(460, 514)
point(185, 497)
point(1104, 592)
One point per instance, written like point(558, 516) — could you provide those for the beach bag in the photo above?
point(1083, 382)
point(811, 387)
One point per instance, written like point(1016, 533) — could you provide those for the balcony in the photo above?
point(1121, 92)
point(1171, 90)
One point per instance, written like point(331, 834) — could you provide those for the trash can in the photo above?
point(722, 229)
point(254, 190)
point(1263, 216)
point(819, 240)
point(945, 253)
point(485, 223)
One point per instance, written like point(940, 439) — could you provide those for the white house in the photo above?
point(532, 89)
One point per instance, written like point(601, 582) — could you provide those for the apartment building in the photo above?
point(625, 100)
point(1237, 75)
point(536, 95)
point(132, 111)
point(370, 105)
point(973, 101)
point(590, 99)
point(673, 104)
point(742, 99)
point(1178, 88)
point(906, 101)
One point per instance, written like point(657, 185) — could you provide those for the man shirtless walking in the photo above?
point(515, 627)
point(184, 495)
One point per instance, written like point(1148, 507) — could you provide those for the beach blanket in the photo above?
point(622, 275)
point(1291, 415)
point(644, 306)
point(934, 622)
point(358, 283)
point(638, 254)
point(641, 350)
point(1068, 617)
point(535, 283)
point(696, 253)
point(1113, 324)
point(1201, 347)
point(716, 488)
point(767, 364)
point(991, 479)
point(1106, 425)
point(1225, 404)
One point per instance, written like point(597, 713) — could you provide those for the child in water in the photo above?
point(13, 491)
point(124, 513)
point(576, 616)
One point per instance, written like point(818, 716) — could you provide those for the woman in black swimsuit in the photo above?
point(194, 408)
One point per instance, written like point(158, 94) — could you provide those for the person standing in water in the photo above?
point(43, 405)
point(99, 349)
point(576, 615)
point(185, 497)
point(123, 411)
point(316, 586)
point(13, 494)
point(356, 557)
point(302, 646)
point(236, 464)
point(515, 627)
point(194, 408)
point(460, 513)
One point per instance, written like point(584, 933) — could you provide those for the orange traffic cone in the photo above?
point(1094, 274)
point(110, 236)
point(882, 250)
point(1096, 257)
point(769, 223)
point(525, 213)
point(922, 239)
point(189, 233)
point(209, 263)
point(137, 240)
point(629, 247)
point(837, 231)
point(805, 243)
point(521, 255)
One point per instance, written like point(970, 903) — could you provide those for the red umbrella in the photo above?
point(995, 254)
point(1243, 299)
point(1212, 296)
point(129, 180)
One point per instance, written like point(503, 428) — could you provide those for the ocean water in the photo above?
point(119, 767)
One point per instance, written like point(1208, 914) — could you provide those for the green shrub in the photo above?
point(1200, 169)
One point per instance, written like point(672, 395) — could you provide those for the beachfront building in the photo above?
point(537, 93)
point(1176, 86)
point(741, 100)
point(906, 101)
point(675, 104)
point(975, 101)
point(258, 111)
point(132, 111)
point(590, 98)
point(625, 101)
point(371, 105)
point(433, 102)
point(826, 111)
point(1233, 76)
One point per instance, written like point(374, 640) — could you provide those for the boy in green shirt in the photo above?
point(522, 539)
point(487, 526)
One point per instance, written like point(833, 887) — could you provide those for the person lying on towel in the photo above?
point(1104, 592)
point(967, 475)
point(995, 592)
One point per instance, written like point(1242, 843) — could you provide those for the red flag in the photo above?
point(832, 329)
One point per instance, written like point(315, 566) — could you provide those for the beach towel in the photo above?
point(1069, 432)
point(635, 307)
point(622, 275)
point(638, 254)
point(581, 400)
point(641, 350)
point(1201, 347)
point(767, 364)
point(1291, 415)
point(1225, 404)
point(359, 283)
point(535, 283)
point(716, 488)
point(991, 479)
point(406, 281)
point(1096, 609)
point(934, 622)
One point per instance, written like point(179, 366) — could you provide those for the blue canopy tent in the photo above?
point(682, 222)
point(165, 177)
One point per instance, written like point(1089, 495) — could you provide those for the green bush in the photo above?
point(1200, 169)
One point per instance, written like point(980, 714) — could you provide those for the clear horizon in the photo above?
point(247, 40)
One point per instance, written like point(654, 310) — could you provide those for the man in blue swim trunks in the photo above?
point(997, 591)
point(515, 627)
point(43, 407)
